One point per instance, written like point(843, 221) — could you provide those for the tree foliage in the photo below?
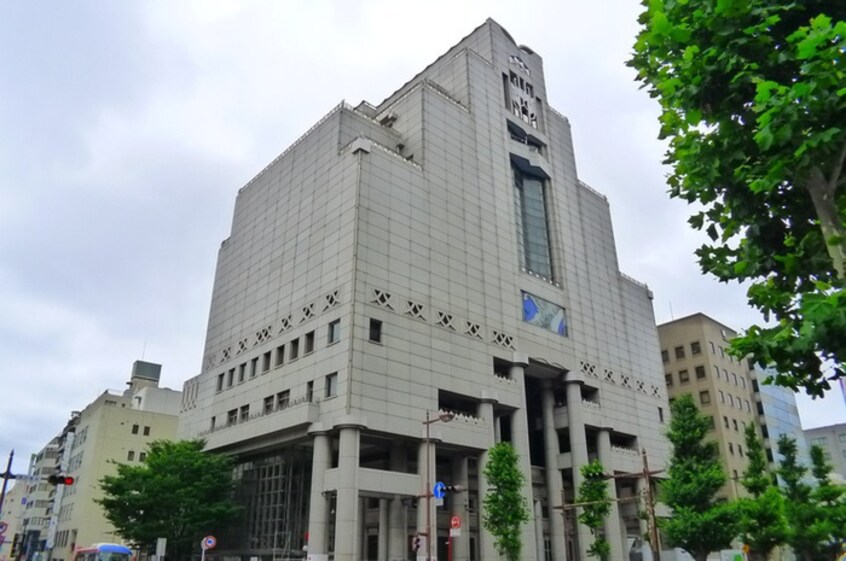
point(753, 99)
point(831, 504)
point(803, 535)
point(505, 506)
point(700, 524)
point(763, 525)
point(594, 492)
point(178, 492)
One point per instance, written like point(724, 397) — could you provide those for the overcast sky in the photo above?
point(127, 128)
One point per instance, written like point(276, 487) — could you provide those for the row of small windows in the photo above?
point(684, 376)
point(695, 350)
point(280, 401)
point(705, 399)
point(291, 349)
point(136, 428)
point(822, 441)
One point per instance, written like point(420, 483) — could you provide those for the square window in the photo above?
point(704, 397)
point(268, 404)
point(283, 399)
point(295, 349)
point(231, 416)
point(142, 456)
point(684, 377)
point(333, 334)
point(332, 385)
point(700, 372)
point(146, 431)
point(375, 330)
point(130, 456)
point(711, 344)
point(668, 377)
point(265, 363)
point(695, 348)
point(309, 343)
point(134, 429)
point(665, 356)
point(280, 355)
point(679, 352)
point(253, 367)
point(245, 413)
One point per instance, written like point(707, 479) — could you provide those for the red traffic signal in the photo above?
point(60, 480)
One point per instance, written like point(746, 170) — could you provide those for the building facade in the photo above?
point(38, 502)
point(730, 392)
point(832, 439)
point(115, 427)
point(14, 506)
point(406, 285)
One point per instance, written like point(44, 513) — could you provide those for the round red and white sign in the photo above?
point(455, 522)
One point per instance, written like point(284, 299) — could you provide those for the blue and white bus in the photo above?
point(104, 552)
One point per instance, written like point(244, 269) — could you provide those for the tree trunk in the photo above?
point(823, 194)
point(701, 555)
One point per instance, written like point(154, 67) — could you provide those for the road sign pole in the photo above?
point(7, 475)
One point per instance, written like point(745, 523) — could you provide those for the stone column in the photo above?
point(397, 530)
point(486, 540)
point(613, 528)
point(458, 507)
point(383, 530)
point(579, 455)
point(537, 512)
point(520, 440)
point(554, 484)
point(347, 511)
point(318, 504)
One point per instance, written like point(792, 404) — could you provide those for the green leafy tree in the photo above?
point(829, 498)
point(804, 536)
point(178, 492)
point(753, 99)
point(763, 525)
point(594, 492)
point(505, 505)
point(700, 523)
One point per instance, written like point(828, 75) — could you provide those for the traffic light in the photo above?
point(416, 543)
point(454, 488)
point(60, 479)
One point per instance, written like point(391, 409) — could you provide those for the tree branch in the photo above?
point(838, 167)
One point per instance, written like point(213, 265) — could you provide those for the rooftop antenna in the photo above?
point(672, 317)
point(143, 349)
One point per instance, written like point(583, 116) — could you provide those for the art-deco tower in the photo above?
point(436, 253)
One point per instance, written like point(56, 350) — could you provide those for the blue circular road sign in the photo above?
point(439, 490)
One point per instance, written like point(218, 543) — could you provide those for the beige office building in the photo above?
point(693, 350)
point(14, 506)
point(434, 254)
point(117, 426)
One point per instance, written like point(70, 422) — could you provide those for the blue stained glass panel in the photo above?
point(545, 314)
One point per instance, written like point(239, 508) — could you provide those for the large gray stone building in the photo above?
point(434, 257)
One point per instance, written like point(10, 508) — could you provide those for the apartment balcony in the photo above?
point(296, 416)
point(591, 414)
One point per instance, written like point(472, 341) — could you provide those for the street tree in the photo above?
point(593, 493)
point(753, 101)
point(505, 506)
point(831, 504)
point(699, 523)
point(763, 525)
point(178, 492)
point(804, 536)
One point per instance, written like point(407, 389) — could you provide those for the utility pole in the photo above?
point(6, 475)
point(654, 540)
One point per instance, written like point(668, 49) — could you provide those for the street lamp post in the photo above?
point(444, 417)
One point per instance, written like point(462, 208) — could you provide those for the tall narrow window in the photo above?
point(332, 385)
point(533, 229)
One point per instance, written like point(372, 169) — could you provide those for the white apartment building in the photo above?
point(435, 254)
point(116, 427)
